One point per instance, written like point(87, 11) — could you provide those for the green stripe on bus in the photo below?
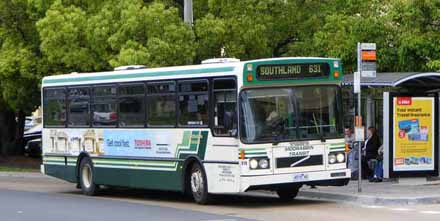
point(343, 147)
point(137, 162)
point(337, 144)
point(48, 162)
point(335, 150)
point(252, 156)
point(79, 78)
point(253, 149)
point(252, 152)
point(202, 144)
point(249, 154)
point(134, 165)
point(54, 158)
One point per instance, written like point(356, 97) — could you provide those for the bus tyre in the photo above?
point(198, 184)
point(287, 194)
point(86, 176)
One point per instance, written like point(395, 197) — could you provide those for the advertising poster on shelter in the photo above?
point(413, 124)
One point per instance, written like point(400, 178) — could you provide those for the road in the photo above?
point(36, 198)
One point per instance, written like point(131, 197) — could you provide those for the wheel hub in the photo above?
point(87, 176)
point(197, 182)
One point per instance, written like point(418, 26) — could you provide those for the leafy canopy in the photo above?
point(45, 37)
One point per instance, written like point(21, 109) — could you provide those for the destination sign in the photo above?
point(292, 71)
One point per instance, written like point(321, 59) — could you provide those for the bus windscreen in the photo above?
point(291, 113)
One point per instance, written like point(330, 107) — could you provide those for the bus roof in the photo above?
point(200, 70)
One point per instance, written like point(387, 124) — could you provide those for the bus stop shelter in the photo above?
point(373, 88)
point(373, 92)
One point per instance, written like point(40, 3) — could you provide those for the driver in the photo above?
point(272, 117)
point(274, 120)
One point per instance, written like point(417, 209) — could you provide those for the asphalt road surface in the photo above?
point(35, 198)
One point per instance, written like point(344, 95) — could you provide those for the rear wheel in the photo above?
point(86, 177)
point(287, 194)
point(198, 184)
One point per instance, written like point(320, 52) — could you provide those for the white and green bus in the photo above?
point(223, 127)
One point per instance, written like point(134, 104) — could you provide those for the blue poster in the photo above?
point(138, 143)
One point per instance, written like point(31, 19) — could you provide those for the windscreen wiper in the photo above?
point(318, 129)
point(279, 130)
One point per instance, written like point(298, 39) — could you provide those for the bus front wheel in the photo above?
point(86, 176)
point(198, 184)
point(287, 194)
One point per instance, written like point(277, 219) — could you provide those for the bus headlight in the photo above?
point(253, 163)
point(331, 158)
point(259, 163)
point(263, 163)
point(340, 157)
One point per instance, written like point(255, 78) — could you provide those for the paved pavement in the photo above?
point(36, 197)
point(412, 191)
point(22, 205)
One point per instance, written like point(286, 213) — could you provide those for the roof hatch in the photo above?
point(220, 60)
point(129, 67)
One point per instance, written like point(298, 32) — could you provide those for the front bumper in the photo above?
point(328, 178)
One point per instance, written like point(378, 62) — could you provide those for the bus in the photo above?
point(222, 127)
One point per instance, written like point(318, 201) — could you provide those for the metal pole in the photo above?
point(359, 123)
point(188, 11)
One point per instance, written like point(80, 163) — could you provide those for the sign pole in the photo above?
point(366, 65)
point(359, 119)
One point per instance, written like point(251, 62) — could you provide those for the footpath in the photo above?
point(405, 192)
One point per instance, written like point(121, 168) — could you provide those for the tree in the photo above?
point(406, 33)
point(344, 23)
point(247, 29)
point(46, 37)
point(417, 25)
point(19, 68)
point(118, 33)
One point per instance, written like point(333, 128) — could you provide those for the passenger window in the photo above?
point(161, 100)
point(225, 105)
point(193, 103)
point(131, 105)
point(54, 107)
point(78, 107)
point(104, 106)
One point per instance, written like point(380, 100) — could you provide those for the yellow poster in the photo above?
point(413, 127)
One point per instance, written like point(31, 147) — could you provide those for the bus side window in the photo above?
point(193, 103)
point(103, 106)
point(225, 106)
point(131, 105)
point(78, 107)
point(161, 104)
point(54, 105)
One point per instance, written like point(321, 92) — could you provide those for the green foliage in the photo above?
point(63, 39)
point(247, 29)
point(418, 28)
point(151, 35)
point(19, 75)
point(406, 33)
point(77, 38)
point(45, 37)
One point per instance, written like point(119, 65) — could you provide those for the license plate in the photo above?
point(300, 177)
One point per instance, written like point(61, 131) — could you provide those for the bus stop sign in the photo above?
point(368, 59)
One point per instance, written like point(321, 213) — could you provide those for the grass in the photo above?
point(18, 169)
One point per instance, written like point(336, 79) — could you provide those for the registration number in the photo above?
point(300, 177)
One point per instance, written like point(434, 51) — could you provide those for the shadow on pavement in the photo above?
point(250, 200)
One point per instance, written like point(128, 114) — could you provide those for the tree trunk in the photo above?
point(7, 131)
point(19, 131)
